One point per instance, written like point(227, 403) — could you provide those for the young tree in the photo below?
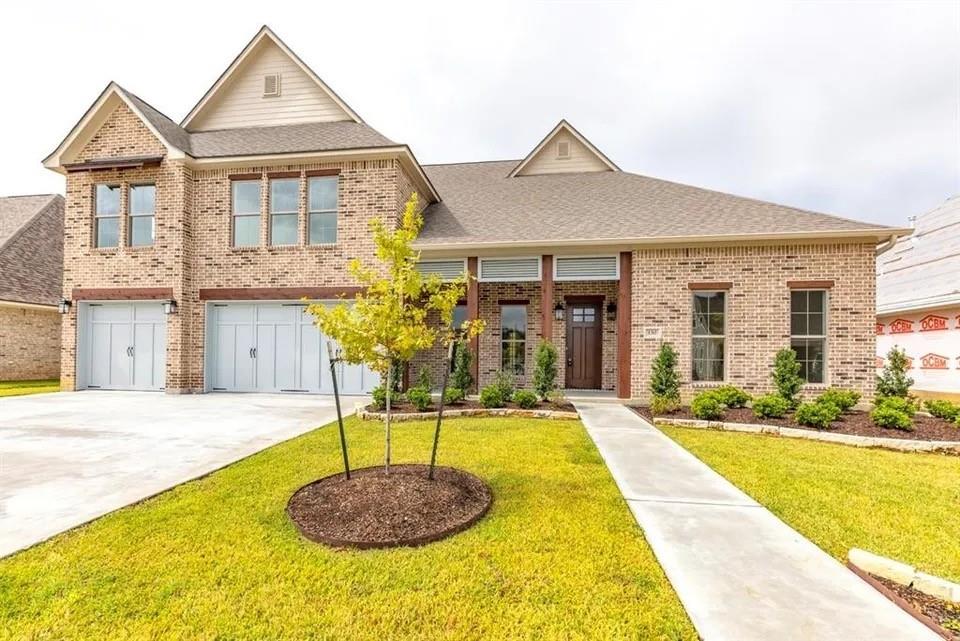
point(664, 379)
point(387, 321)
point(545, 369)
point(462, 359)
point(893, 380)
point(786, 375)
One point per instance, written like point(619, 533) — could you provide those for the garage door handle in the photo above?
point(254, 352)
point(130, 351)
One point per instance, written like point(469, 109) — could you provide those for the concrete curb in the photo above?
point(364, 415)
point(905, 575)
point(902, 445)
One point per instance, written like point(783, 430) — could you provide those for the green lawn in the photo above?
point(558, 557)
point(902, 505)
point(19, 388)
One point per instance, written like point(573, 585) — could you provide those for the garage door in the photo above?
point(274, 347)
point(123, 346)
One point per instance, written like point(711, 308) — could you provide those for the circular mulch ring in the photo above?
point(378, 510)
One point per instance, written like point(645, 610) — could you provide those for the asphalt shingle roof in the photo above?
point(481, 204)
point(31, 248)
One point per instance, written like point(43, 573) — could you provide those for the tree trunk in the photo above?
point(386, 465)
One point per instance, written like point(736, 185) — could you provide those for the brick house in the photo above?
point(31, 266)
point(188, 248)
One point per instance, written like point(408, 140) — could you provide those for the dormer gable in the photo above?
point(267, 85)
point(563, 150)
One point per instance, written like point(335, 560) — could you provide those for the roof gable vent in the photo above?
point(271, 85)
point(563, 149)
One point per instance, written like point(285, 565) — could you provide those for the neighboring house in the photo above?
point(31, 270)
point(918, 299)
point(189, 247)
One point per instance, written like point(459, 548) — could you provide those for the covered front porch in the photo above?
point(580, 303)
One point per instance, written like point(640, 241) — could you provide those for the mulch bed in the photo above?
point(941, 612)
point(379, 510)
point(407, 408)
point(926, 428)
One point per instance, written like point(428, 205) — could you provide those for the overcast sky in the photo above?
point(847, 108)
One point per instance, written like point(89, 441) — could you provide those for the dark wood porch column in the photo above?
point(473, 313)
point(546, 299)
point(624, 312)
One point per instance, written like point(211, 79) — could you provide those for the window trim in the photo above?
point(502, 341)
point(130, 214)
point(824, 336)
point(271, 213)
point(694, 337)
point(335, 177)
point(97, 216)
point(245, 178)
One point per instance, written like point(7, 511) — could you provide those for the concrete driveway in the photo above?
point(67, 458)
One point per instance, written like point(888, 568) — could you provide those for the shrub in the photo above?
point(770, 406)
point(525, 399)
point(545, 369)
point(492, 396)
point(818, 415)
point(557, 397)
point(942, 409)
point(664, 378)
point(379, 395)
point(893, 380)
point(453, 396)
point(887, 416)
point(505, 383)
point(732, 397)
point(462, 359)
point(706, 406)
point(898, 404)
point(420, 398)
point(423, 379)
point(786, 375)
point(663, 405)
point(845, 399)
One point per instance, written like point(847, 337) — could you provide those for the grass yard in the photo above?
point(901, 505)
point(558, 557)
point(19, 388)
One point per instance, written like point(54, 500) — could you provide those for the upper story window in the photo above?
point(513, 338)
point(322, 208)
point(246, 213)
point(142, 205)
point(808, 332)
point(106, 232)
point(709, 325)
point(284, 211)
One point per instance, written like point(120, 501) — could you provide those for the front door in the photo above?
point(583, 345)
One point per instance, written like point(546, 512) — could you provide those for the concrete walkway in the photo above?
point(68, 458)
point(741, 573)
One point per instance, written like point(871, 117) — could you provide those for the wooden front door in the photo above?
point(583, 345)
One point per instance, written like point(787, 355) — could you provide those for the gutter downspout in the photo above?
point(887, 245)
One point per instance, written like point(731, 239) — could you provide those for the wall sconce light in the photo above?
point(64, 306)
point(612, 310)
point(169, 307)
point(558, 311)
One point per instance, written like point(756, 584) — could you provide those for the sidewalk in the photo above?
point(741, 573)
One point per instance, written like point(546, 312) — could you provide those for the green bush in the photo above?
point(942, 409)
point(786, 375)
point(423, 379)
point(845, 399)
point(732, 397)
point(707, 407)
point(453, 396)
point(505, 383)
point(492, 396)
point(893, 380)
point(462, 359)
point(545, 369)
point(898, 404)
point(664, 378)
point(379, 395)
point(887, 416)
point(662, 405)
point(420, 398)
point(818, 415)
point(525, 399)
point(770, 406)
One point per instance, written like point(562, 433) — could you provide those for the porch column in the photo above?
point(473, 313)
point(546, 298)
point(624, 312)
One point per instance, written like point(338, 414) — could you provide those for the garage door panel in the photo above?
point(119, 357)
point(286, 357)
point(99, 345)
point(311, 374)
point(244, 380)
point(123, 346)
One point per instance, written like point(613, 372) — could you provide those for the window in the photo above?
point(513, 338)
point(322, 203)
point(708, 332)
point(106, 230)
point(246, 213)
point(459, 317)
point(808, 332)
point(142, 199)
point(284, 211)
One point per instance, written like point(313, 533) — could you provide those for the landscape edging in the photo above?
point(365, 415)
point(902, 445)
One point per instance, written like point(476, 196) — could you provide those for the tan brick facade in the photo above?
point(29, 343)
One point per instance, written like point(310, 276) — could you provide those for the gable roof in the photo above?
point(31, 249)
point(265, 33)
point(484, 207)
point(563, 126)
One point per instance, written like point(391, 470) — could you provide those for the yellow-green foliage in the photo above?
point(21, 388)
point(901, 505)
point(559, 556)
